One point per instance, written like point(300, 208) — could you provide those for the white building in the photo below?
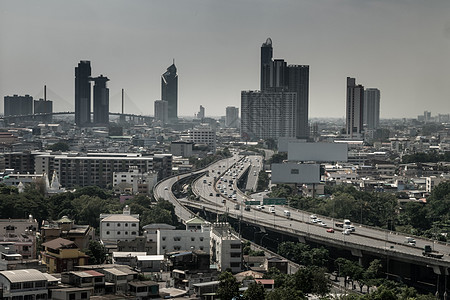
point(24, 284)
point(203, 134)
point(195, 237)
point(226, 248)
point(119, 227)
point(137, 182)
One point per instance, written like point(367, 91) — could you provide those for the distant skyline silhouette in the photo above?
point(400, 47)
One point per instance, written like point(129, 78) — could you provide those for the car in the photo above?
point(258, 207)
point(211, 194)
point(323, 224)
point(314, 220)
point(346, 232)
point(224, 201)
point(318, 220)
point(313, 217)
point(330, 230)
point(166, 188)
point(262, 207)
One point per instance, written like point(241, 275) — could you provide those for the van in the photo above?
point(287, 213)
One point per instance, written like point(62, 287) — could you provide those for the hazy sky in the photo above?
point(401, 47)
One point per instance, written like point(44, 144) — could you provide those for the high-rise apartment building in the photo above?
point(354, 109)
point(169, 91)
point(161, 111)
point(43, 106)
point(101, 101)
point(18, 105)
point(372, 108)
point(201, 113)
point(83, 93)
point(232, 117)
point(268, 114)
point(283, 82)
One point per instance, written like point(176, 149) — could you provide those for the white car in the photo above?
point(166, 188)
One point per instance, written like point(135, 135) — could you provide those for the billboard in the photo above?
point(319, 152)
point(295, 173)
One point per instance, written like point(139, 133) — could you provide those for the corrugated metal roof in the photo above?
point(23, 275)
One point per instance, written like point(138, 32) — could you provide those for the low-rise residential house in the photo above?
point(143, 289)
point(139, 244)
point(24, 284)
point(91, 279)
point(22, 232)
point(72, 293)
point(65, 228)
point(118, 227)
point(61, 255)
point(206, 290)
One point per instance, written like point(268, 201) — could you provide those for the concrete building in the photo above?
point(119, 227)
point(101, 101)
point(98, 168)
point(201, 113)
point(83, 93)
point(266, 114)
point(61, 255)
point(169, 91)
point(24, 284)
point(226, 248)
point(203, 134)
point(232, 117)
point(195, 237)
point(43, 106)
point(134, 182)
point(21, 232)
point(181, 148)
point(162, 111)
point(372, 108)
point(354, 109)
point(18, 105)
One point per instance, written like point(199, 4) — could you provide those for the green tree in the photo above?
point(228, 287)
point(285, 293)
point(60, 146)
point(97, 253)
point(255, 291)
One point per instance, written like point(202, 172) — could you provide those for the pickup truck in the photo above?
point(427, 251)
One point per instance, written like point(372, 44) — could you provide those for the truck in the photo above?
point(338, 224)
point(428, 252)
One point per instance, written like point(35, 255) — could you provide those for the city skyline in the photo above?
point(401, 48)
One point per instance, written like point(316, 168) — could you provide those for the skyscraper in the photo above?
point(266, 61)
point(101, 101)
point(161, 111)
point(169, 91)
point(83, 93)
point(372, 108)
point(354, 109)
point(232, 117)
point(298, 81)
point(289, 81)
point(43, 106)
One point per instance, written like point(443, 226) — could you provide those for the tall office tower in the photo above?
point(101, 101)
point(232, 117)
point(278, 76)
point(18, 105)
point(298, 81)
point(201, 113)
point(372, 108)
point(42, 106)
point(83, 93)
point(355, 109)
point(266, 63)
point(169, 91)
point(268, 114)
point(161, 111)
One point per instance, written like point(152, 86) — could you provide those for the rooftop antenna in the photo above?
point(122, 103)
point(45, 93)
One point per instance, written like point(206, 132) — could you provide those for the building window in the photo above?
point(133, 232)
point(126, 232)
point(163, 238)
point(84, 295)
point(118, 224)
point(126, 224)
point(294, 171)
point(28, 285)
point(235, 265)
point(201, 248)
point(192, 239)
point(133, 225)
point(235, 246)
point(107, 224)
point(107, 233)
point(118, 232)
point(201, 239)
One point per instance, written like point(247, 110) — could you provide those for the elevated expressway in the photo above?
point(364, 241)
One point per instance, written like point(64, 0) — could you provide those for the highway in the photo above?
point(374, 240)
